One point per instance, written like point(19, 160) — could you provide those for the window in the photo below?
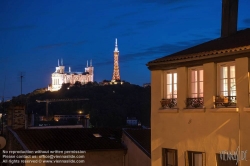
point(195, 99)
point(223, 160)
point(196, 82)
point(227, 79)
point(195, 158)
point(169, 157)
point(171, 85)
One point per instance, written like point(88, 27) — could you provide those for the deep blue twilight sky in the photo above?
point(35, 34)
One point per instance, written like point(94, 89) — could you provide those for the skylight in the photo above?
point(97, 135)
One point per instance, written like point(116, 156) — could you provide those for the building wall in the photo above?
point(16, 117)
point(210, 130)
point(242, 73)
point(134, 156)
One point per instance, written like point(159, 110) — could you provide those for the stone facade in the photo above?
point(60, 76)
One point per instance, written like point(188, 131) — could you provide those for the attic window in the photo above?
point(97, 135)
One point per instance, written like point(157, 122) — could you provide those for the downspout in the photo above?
point(124, 157)
point(123, 160)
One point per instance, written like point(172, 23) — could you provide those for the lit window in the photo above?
point(227, 79)
point(196, 82)
point(169, 157)
point(171, 85)
point(195, 158)
point(195, 99)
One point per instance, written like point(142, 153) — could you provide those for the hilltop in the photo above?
point(108, 106)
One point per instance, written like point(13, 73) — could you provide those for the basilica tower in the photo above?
point(116, 73)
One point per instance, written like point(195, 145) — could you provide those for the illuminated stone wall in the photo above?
point(60, 77)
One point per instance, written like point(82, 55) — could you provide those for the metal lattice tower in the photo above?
point(116, 73)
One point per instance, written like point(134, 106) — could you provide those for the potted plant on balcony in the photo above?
point(163, 103)
point(166, 103)
point(222, 100)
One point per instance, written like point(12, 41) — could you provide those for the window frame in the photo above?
point(190, 89)
point(221, 162)
point(220, 86)
point(165, 157)
point(190, 154)
point(165, 86)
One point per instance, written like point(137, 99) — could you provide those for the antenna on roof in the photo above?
point(3, 104)
point(21, 77)
point(87, 63)
point(62, 62)
point(58, 63)
point(4, 88)
point(90, 62)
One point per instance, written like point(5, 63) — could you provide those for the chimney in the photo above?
point(229, 17)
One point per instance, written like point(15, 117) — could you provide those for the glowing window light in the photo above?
point(97, 135)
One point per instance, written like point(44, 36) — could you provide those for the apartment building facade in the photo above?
point(200, 104)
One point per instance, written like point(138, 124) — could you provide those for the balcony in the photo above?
point(225, 101)
point(195, 102)
point(168, 103)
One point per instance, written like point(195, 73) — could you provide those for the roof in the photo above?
point(239, 41)
point(51, 127)
point(76, 73)
point(70, 139)
point(131, 118)
point(141, 137)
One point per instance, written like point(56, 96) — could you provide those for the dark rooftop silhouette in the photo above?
point(71, 139)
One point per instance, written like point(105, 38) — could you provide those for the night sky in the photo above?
point(34, 34)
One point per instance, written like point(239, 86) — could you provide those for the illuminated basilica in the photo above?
point(60, 76)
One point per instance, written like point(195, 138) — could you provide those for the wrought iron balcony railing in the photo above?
point(194, 102)
point(225, 101)
point(169, 103)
